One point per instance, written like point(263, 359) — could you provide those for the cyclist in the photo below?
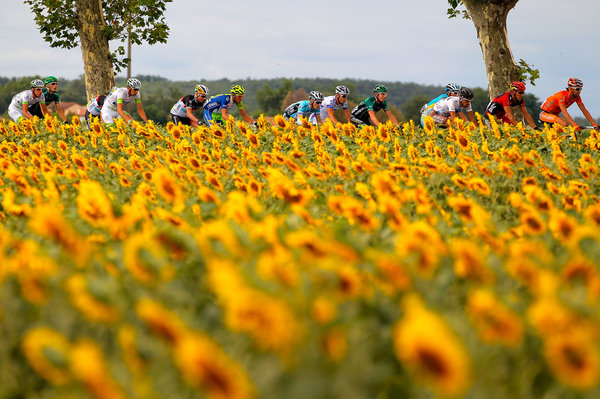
point(50, 96)
point(181, 112)
point(451, 90)
point(19, 105)
point(333, 103)
point(94, 107)
point(559, 102)
point(113, 103)
point(217, 107)
point(446, 110)
point(501, 105)
point(305, 108)
point(364, 113)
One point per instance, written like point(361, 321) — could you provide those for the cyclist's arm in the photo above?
point(126, 117)
point(140, 110)
point(391, 117)
point(471, 116)
point(45, 109)
point(528, 117)
point(318, 117)
point(26, 113)
point(224, 113)
point(60, 112)
point(190, 115)
point(565, 113)
point(509, 114)
point(246, 116)
point(373, 118)
point(331, 115)
point(347, 113)
point(587, 114)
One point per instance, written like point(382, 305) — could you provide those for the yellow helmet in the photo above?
point(237, 89)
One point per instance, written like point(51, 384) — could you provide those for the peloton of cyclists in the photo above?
point(364, 112)
point(558, 103)
point(182, 111)
point(50, 96)
point(501, 106)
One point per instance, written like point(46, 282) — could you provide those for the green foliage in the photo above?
point(454, 10)
point(411, 108)
point(141, 20)
point(270, 101)
point(528, 73)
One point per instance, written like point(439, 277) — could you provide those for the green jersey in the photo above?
point(361, 111)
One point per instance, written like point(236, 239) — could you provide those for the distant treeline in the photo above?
point(263, 96)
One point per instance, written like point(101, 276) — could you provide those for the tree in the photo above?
point(270, 101)
point(489, 18)
point(92, 24)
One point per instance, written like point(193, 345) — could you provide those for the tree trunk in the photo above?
point(98, 68)
point(489, 18)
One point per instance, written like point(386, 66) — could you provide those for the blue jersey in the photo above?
point(301, 108)
point(213, 107)
point(435, 100)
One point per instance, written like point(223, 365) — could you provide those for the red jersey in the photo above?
point(496, 106)
point(564, 97)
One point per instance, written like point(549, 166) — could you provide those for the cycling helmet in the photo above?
point(380, 89)
point(342, 90)
point(466, 93)
point(134, 83)
point(575, 83)
point(50, 79)
point(315, 95)
point(201, 89)
point(237, 89)
point(452, 88)
point(517, 86)
point(37, 83)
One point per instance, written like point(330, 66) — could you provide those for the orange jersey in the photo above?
point(551, 104)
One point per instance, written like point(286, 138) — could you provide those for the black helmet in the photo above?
point(466, 93)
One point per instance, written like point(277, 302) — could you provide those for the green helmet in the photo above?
point(380, 89)
point(237, 89)
point(50, 79)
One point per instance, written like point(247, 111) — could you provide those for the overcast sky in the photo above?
point(388, 40)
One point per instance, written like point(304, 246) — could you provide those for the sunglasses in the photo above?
point(343, 96)
point(53, 84)
point(577, 89)
point(318, 102)
point(521, 92)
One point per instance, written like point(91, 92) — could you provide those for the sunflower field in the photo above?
point(298, 261)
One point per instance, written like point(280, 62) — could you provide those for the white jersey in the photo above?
point(330, 102)
point(109, 109)
point(15, 109)
point(450, 104)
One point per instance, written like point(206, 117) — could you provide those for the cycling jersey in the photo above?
point(15, 109)
point(95, 105)
point(188, 102)
point(300, 108)
point(213, 107)
point(431, 103)
point(118, 96)
point(551, 105)
point(496, 106)
point(450, 104)
point(361, 111)
point(330, 103)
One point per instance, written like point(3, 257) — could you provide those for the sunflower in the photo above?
point(494, 321)
point(429, 349)
point(469, 262)
point(573, 358)
point(204, 365)
point(47, 351)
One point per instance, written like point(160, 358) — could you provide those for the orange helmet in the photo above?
point(517, 86)
point(574, 83)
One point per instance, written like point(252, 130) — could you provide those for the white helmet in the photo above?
point(37, 83)
point(342, 90)
point(201, 89)
point(134, 83)
point(315, 95)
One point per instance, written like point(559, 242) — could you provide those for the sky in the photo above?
point(389, 40)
